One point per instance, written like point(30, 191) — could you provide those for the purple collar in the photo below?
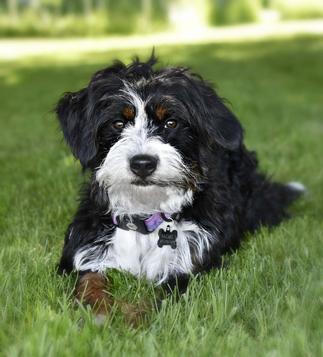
point(142, 225)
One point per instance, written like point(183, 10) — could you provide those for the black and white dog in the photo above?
point(172, 185)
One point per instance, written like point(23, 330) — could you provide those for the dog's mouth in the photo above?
point(141, 182)
point(146, 183)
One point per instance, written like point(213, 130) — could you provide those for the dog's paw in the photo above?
point(134, 314)
point(100, 319)
point(92, 290)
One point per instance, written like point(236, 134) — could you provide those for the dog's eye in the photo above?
point(128, 113)
point(171, 124)
point(118, 124)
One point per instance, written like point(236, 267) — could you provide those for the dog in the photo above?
point(172, 186)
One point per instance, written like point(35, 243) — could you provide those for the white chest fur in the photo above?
point(140, 255)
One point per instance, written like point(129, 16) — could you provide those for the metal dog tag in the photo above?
point(167, 236)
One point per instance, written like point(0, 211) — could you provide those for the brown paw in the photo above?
point(91, 290)
point(134, 315)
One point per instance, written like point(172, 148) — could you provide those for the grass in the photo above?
point(299, 9)
point(269, 299)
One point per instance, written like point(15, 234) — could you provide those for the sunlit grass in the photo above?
point(299, 9)
point(77, 49)
point(267, 301)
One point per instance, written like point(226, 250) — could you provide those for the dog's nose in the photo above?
point(143, 165)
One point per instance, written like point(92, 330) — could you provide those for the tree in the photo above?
point(13, 9)
point(87, 7)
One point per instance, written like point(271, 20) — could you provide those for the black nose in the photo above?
point(143, 165)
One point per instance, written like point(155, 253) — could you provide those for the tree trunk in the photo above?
point(13, 9)
point(35, 4)
point(146, 9)
point(87, 7)
point(100, 4)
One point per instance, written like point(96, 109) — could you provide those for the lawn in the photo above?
point(268, 299)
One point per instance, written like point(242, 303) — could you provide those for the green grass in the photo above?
point(299, 9)
point(269, 299)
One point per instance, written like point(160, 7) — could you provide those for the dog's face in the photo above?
point(147, 135)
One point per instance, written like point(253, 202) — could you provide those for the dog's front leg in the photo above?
point(176, 284)
point(92, 289)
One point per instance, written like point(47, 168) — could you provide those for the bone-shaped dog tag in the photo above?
point(167, 236)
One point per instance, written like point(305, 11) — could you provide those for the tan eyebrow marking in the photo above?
point(128, 113)
point(160, 112)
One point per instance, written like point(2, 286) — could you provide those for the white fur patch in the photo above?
point(140, 255)
point(167, 195)
point(297, 186)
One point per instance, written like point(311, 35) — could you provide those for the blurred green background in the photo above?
point(30, 18)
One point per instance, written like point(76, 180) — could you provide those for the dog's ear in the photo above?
point(78, 128)
point(219, 125)
point(222, 124)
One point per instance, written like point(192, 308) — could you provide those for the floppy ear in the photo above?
point(224, 127)
point(220, 124)
point(78, 128)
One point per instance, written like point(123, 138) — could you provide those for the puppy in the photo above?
point(172, 186)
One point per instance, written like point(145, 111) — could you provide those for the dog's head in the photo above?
point(146, 134)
